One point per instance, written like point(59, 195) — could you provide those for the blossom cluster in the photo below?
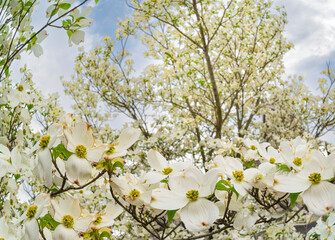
point(245, 184)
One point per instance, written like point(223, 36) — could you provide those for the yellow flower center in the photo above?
point(238, 175)
point(315, 178)
point(44, 141)
point(253, 147)
point(68, 221)
point(252, 208)
point(20, 88)
point(98, 220)
point(135, 193)
point(258, 177)
point(111, 150)
point(297, 161)
point(192, 195)
point(167, 171)
point(31, 211)
point(272, 160)
point(81, 151)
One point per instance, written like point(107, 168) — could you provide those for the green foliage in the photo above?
point(224, 185)
point(170, 214)
point(48, 221)
point(293, 198)
point(61, 151)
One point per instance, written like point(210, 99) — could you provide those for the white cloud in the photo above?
point(311, 28)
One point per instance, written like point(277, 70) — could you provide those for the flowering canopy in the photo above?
point(203, 164)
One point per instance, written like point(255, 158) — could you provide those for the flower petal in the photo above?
point(167, 200)
point(156, 160)
point(189, 179)
point(67, 206)
point(153, 177)
point(45, 166)
point(199, 215)
point(78, 170)
point(61, 233)
point(127, 138)
point(290, 183)
point(95, 154)
point(320, 198)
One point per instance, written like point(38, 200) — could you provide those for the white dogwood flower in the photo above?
point(317, 192)
point(188, 192)
point(162, 167)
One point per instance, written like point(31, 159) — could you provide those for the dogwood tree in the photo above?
point(204, 154)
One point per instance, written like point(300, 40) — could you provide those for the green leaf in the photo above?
point(170, 214)
point(65, 6)
point(48, 220)
point(118, 164)
point(61, 151)
point(80, 18)
point(283, 167)
point(293, 198)
point(30, 106)
point(164, 181)
point(17, 176)
point(168, 54)
point(224, 185)
point(29, 3)
point(96, 1)
point(105, 234)
point(69, 33)
point(249, 164)
point(54, 12)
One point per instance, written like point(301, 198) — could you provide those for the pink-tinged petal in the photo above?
point(127, 138)
point(31, 229)
point(320, 198)
point(209, 180)
point(331, 219)
point(153, 177)
point(45, 166)
point(179, 166)
point(244, 220)
point(199, 215)
point(230, 164)
point(77, 37)
point(286, 152)
point(95, 154)
point(4, 153)
point(82, 224)
point(156, 160)
point(117, 154)
point(81, 134)
point(67, 206)
point(291, 183)
point(5, 167)
point(241, 187)
point(112, 211)
point(16, 158)
point(331, 160)
point(62, 233)
point(78, 170)
point(47, 234)
point(167, 200)
point(182, 182)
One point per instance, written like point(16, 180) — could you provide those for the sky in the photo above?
point(311, 28)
